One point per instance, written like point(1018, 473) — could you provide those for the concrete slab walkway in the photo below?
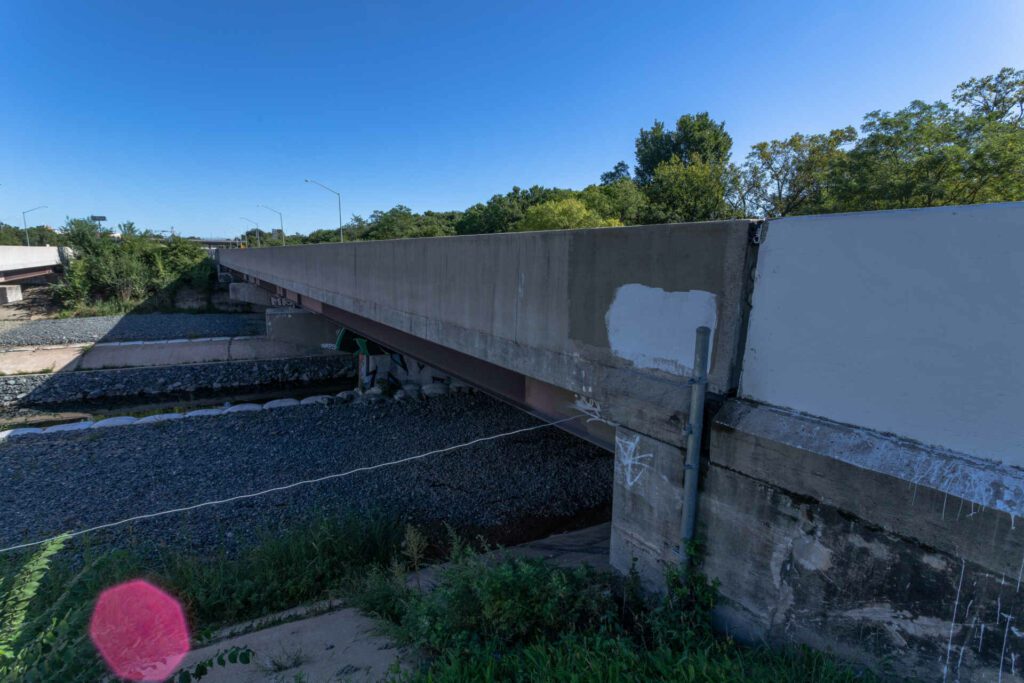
point(23, 360)
point(346, 645)
point(66, 358)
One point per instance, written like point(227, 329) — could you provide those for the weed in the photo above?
point(281, 570)
point(524, 620)
point(284, 660)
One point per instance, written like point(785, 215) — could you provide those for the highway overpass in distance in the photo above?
point(23, 263)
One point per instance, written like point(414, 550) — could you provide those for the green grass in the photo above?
point(524, 620)
point(486, 620)
point(281, 571)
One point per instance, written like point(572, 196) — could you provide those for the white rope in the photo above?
point(304, 482)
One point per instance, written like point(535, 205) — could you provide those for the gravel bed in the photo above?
point(134, 327)
point(80, 390)
point(63, 481)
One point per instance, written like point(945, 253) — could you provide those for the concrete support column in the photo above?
point(248, 293)
point(10, 293)
point(646, 506)
point(299, 326)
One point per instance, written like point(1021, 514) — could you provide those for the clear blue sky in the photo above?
point(191, 113)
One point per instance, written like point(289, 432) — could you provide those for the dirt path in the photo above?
point(36, 304)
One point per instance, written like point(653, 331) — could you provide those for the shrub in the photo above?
point(139, 270)
point(523, 620)
point(508, 604)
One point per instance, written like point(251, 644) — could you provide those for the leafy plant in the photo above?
point(512, 619)
point(232, 655)
point(138, 270)
point(14, 609)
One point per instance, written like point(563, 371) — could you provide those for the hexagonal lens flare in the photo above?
point(140, 631)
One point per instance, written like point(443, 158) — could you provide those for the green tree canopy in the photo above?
point(621, 200)
point(619, 172)
point(400, 222)
point(696, 136)
point(563, 214)
point(796, 175)
point(681, 192)
point(502, 211)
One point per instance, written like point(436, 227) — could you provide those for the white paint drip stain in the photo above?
point(952, 623)
point(656, 329)
point(1002, 655)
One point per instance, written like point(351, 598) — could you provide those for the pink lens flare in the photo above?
point(140, 631)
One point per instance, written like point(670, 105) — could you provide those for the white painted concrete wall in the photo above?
point(18, 258)
point(909, 322)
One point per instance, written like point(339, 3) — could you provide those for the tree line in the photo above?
point(965, 151)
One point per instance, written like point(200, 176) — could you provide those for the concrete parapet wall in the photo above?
point(820, 536)
point(902, 321)
point(24, 258)
point(607, 314)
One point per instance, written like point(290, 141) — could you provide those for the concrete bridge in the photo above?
point(860, 469)
point(18, 264)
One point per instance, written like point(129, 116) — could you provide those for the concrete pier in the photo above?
point(10, 294)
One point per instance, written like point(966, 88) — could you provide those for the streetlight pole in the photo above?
point(24, 224)
point(341, 235)
point(280, 218)
point(257, 229)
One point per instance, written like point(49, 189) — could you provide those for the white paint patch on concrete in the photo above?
point(907, 322)
point(656, 329)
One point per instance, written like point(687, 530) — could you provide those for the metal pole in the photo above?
point(257, 229)
point(341, 234)
point(280, 218)
point(24, 224)
point(694, 429)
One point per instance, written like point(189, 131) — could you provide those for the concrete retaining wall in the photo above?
point(68, 388)
point(814, 543)
point(902, 321)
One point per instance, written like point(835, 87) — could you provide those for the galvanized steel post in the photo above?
point(694, 429)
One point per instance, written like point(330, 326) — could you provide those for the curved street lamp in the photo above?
point(341, 235)
point(280, 218)
point(25, 224)
point(257, 228)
